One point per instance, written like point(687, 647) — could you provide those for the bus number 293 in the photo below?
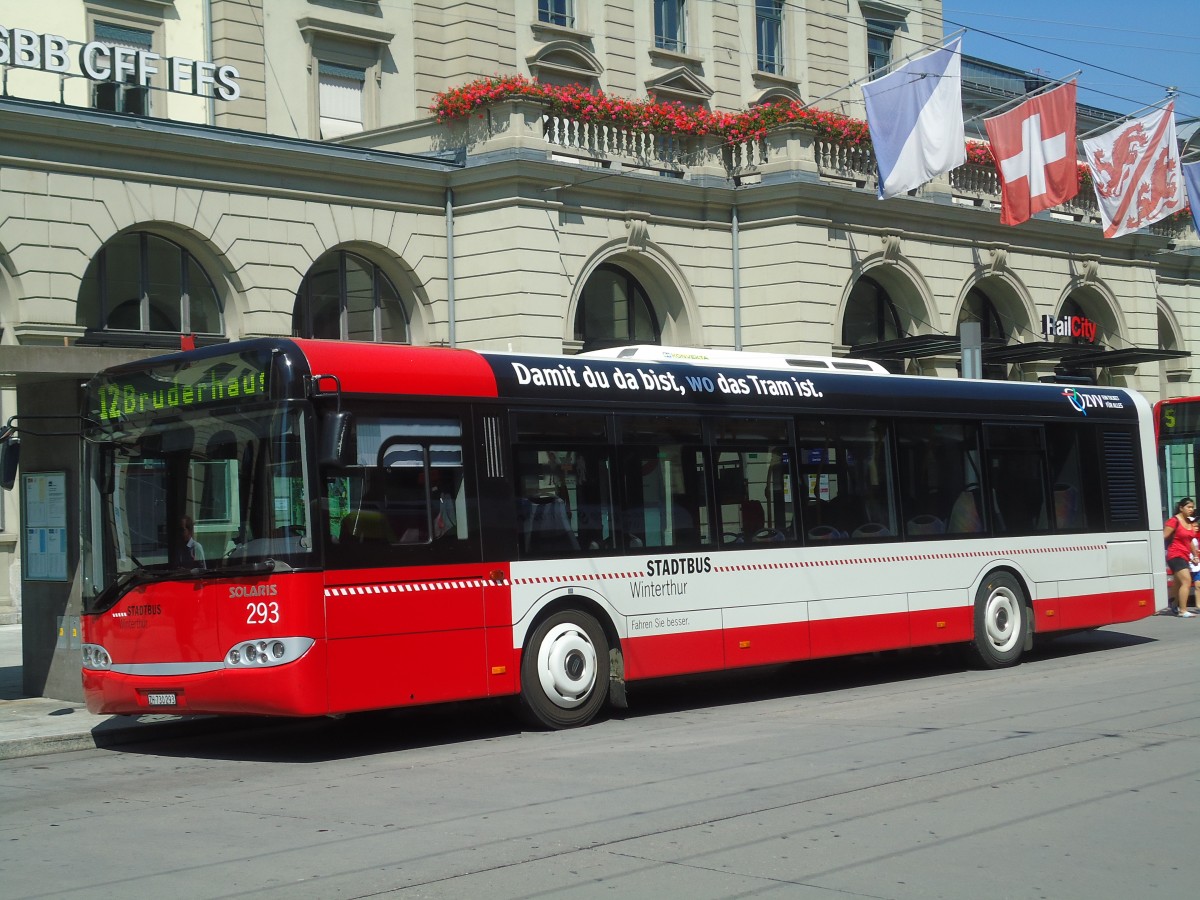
point(262, 613)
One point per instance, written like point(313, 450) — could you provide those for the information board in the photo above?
point(44, 518)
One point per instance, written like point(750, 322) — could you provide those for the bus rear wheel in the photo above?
point(1001, 621)
point(564, 671)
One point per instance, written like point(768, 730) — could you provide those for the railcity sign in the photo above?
point(99, 61)
point(1069, 326)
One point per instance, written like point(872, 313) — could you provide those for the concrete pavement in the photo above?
point(30, 726)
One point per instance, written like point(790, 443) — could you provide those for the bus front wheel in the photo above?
point(1001, 621)
point(564, 671)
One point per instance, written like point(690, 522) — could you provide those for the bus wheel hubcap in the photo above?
point(567, 665)
point(1003, 614)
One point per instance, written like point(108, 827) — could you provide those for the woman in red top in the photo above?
point(1181, 532)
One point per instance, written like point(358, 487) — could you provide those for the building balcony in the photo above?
point(528, 124)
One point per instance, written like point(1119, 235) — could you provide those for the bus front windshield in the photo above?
point(195, 495)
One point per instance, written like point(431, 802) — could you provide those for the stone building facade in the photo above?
point(324, 199)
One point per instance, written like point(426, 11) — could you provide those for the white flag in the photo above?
point(916, 120)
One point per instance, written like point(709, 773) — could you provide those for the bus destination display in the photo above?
point(220, 381)
point(1179, 419)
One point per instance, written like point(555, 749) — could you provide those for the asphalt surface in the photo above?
point(31, 726)
point(1073, 776)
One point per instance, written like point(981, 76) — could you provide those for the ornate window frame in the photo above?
point(347, 46)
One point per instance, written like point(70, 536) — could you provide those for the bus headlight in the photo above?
point(96, 657)
point(267, 652)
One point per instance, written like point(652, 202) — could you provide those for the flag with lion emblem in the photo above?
point(1135, 171)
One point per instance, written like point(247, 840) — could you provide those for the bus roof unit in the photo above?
point(741, 358)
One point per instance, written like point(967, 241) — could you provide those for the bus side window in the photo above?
point(408, 488)
point(845, 466)
point(561, 501)
point(665, 486)
point(423, 496)
point(938, 478)
point(754, 481)
point(563, 484)
point(355, 507)
point(1074, 456)
point(869, 465)
point(1016, 457)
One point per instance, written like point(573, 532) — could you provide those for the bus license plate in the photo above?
point(161, 699)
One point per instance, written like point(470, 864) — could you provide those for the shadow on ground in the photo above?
point(304, 741)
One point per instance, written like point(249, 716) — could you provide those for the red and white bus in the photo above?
point(302, 528)
point(1177, 426)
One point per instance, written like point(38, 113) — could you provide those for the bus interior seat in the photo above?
point(1067, 513)
point(826, 533)
point(964, 515)
point(871, 530)
point(754, 517)
point(925, 524)
point(770, 536)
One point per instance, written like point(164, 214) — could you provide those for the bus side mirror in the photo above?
point(10, 456)
point(337, 439)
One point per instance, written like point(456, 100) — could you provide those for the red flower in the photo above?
point(673, 117)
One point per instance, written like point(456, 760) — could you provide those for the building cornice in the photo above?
point(162, 151)
point(311, 26)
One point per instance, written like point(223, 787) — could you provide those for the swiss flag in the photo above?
point(1034, 149)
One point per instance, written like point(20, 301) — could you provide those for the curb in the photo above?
point(61, 743)
point(111, 733)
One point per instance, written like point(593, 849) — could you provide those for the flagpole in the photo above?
point(1125, 118)
point(1049, 86)
point(876, 73)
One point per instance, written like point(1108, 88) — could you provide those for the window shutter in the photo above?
point(341, 99)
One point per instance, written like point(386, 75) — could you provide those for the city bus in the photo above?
point(1177, 427)
point(294, 527)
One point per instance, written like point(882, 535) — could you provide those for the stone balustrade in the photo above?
point(529, 124)
point(611, 142)
point(854, 162)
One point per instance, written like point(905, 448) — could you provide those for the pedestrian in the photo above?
point(192, 551)
point(1179, 532)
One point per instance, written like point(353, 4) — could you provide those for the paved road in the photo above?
point(1074, 775)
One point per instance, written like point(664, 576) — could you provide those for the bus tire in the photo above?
point(1001, 621)
point(564, 671)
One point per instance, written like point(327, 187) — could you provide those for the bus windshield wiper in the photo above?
point(250, 568)
point(140, 574)
point(127, 581)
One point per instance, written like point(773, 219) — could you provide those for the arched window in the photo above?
point(978, 307)
point(141, 283)
point(870, 315)
point(615, 311)
point(1166, 333)
point(347, 297)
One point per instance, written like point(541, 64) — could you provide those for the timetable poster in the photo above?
point(45, 523)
